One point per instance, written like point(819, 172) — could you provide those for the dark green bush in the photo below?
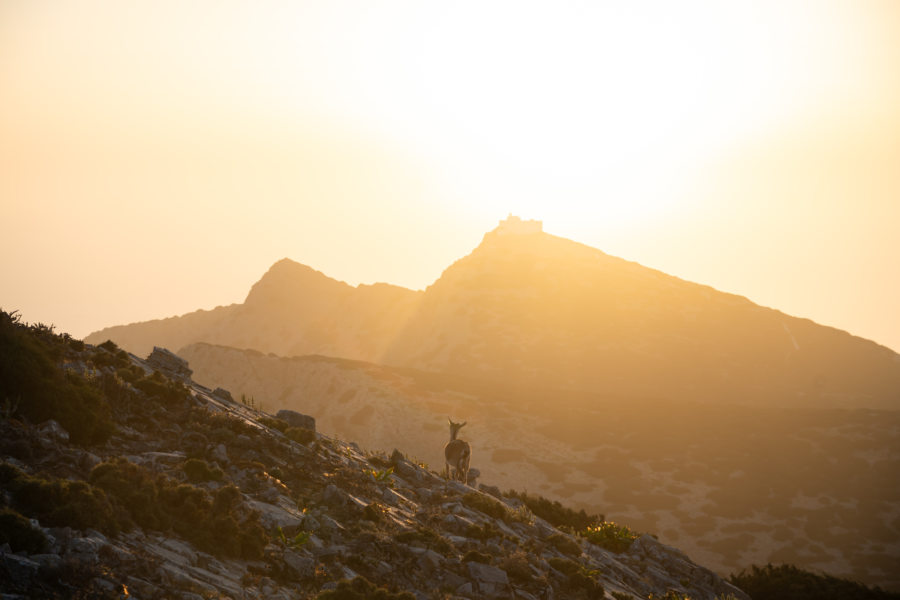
point(163, 390)
point(199, 470)
point(564, 544)
point(17, 531)
point(300, 435)
point(30, 375)
point(361, 588)
point(787, 582)
point(485, 504)
point(610, 536)
point(154, 501)
point(580, 583)
point(59, 502)
point(555, 513)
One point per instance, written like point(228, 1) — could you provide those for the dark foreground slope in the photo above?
point(158, 488)
point(539, 310)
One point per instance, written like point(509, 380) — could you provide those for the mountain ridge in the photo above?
point(539, 307)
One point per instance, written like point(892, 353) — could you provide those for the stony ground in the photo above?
point(312, 517)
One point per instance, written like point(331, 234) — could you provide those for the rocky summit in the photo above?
point(119, 481)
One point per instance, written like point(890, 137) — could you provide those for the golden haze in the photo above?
point(157, 157)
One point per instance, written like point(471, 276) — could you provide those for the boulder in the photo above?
point(169, 363)
point(489, 581)
point(295, 419)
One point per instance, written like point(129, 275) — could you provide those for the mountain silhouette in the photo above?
point(537, 310)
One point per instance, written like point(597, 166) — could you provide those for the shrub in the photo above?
point(608, 535)
point(555, 513)
point(17, 531)
point(787, 582)
point(564, 544)
point(156, 502)
point(300, 435)
point(198, 470)
point(579, 581)
point(30, 376)
point(59, 502)
point(485, 504)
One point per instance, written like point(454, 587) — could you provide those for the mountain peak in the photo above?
point(514, 225)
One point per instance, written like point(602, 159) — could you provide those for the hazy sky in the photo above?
point(157, 157)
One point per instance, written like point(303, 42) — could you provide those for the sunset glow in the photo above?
point(158, 157)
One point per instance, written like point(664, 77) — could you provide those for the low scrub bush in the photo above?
point(787, 582)
point(608, 535)
point(199, 470)
point(60, 502)
point(31, 377)
point(580, 582)
point(154, 501)
point(300, 435)
point(555, 513)
point(17, 531)
point(486, 504)
point(564, 544)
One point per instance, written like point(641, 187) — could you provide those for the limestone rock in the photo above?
point(295, 419)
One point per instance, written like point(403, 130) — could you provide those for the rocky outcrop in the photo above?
point(169, 363)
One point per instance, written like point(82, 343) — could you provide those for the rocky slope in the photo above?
point(144, 485)
point(538, 310)
point(731, 485)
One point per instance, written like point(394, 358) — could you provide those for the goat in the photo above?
point(457, 454)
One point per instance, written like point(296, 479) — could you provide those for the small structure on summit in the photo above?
point(513, 225)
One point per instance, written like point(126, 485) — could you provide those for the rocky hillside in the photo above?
point(538, 310)
point(732, 485)
point(120, 481)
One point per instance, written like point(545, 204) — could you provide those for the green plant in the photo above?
point(564, 544)
point(555, 513)
point(30, 375)
point(17, 531)
point(295, 542)
point(218, 524)
point(787, 582)
point(382, 475)
point(580, 582)
point(198, 470)
point(300, 435)
point(60, 502)
point(486, 504)
point(608, 535)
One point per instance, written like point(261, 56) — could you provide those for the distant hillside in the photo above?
point(292, 310)
point(545, 311)
point(733, 485)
